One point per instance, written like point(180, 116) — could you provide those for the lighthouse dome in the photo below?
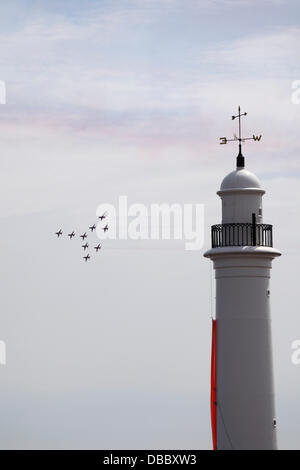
point(241, 195)
point(240, 179)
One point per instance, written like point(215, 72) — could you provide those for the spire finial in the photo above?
point(240, 161)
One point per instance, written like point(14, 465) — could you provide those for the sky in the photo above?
point(130, 97)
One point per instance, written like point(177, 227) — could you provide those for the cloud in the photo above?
point(271, 54)
point(75, 85)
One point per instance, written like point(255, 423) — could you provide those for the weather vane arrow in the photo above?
point(239, 139)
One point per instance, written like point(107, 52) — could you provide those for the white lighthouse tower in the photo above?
point(243, 412)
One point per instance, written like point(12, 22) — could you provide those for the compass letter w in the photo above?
point(256, 137)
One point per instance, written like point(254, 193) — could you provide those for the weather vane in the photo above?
point(239, 139)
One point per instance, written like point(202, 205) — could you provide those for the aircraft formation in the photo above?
point(84, 235)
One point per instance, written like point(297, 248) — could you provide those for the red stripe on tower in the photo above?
point(213, 390)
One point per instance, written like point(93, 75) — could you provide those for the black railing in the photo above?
point(241, 234)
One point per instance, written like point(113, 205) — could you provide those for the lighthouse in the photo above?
point(242, 389)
